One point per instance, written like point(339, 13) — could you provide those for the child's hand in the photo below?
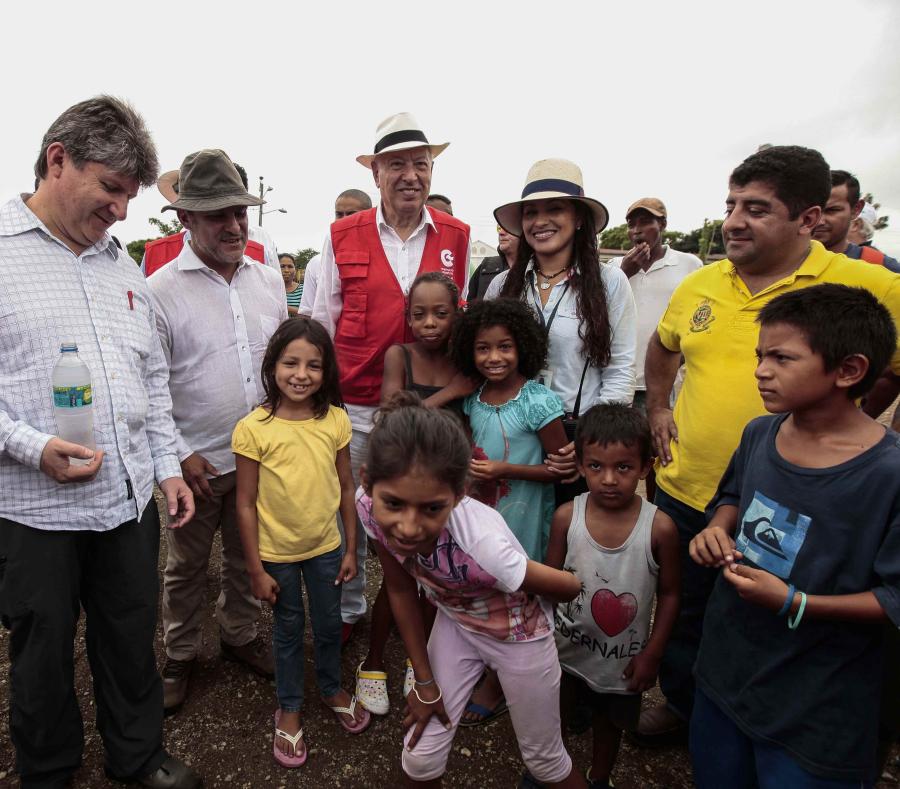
point(713, 547)
point(641, 671)
point(418, 713)
point(487, 470)
point(562, 463)
point(264, 587)
point(757, 586)
point(347, 571)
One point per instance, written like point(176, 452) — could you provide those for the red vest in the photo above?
point(164, 250)
point(871, 255)
point(373, 317)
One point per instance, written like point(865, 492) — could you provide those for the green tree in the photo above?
point(136, 249)
point(166, 228)
point(882, 222)
point(615, 237)
point(711, 239)
point(303, 256)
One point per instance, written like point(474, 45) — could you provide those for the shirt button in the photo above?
point(248, 380)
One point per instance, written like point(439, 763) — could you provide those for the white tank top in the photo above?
point(599, 631)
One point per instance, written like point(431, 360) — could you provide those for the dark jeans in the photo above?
point(290, 619)
point(722, 755)
point(676, 678)
point(46, 577)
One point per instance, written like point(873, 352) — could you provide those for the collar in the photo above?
point(426, 219)
point(16, 218)
point(813, 264)
point(187, 259)
point(668, 259)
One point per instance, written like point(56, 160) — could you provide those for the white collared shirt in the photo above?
point(214, 336)
point(99, 300)
point(310, 285)
point(652, 289)
point(404, 257)
point(612, 384)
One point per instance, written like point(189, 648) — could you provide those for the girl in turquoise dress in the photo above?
point(515, 420)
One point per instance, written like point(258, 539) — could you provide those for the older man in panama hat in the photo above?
point(368, 263)
point(215, 312)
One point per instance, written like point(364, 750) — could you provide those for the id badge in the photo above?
point(544, 377)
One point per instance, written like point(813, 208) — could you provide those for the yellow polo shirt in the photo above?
point(298, 493)
point(711, 319)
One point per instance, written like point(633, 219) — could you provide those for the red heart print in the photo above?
point(613, 613)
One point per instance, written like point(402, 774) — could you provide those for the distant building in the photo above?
point(480, 251)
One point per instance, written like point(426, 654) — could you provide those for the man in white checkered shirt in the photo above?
point(84, 536)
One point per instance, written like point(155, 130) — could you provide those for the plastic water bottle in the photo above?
point(72, 400)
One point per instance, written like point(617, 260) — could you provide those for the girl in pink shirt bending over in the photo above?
point(494, 603)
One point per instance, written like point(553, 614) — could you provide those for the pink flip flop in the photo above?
point(351, 728)
point(297, 760)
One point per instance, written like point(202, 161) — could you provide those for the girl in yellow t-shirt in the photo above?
point(293, 475)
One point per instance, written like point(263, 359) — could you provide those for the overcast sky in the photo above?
point(649, 98)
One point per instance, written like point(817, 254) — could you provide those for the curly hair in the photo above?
point(329, 393)
point(512, 314)
point(590, 294)
point(435, 278)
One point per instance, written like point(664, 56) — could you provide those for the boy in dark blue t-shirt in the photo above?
point(806, 524)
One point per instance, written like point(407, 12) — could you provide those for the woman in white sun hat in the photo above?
point(586, 307)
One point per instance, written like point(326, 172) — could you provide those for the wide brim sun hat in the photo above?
point(399, 133)
point(207, 181)
point(550, 179)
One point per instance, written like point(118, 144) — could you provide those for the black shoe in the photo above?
point(528, 781)
point(172, 774)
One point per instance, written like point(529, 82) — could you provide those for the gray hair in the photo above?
point(105, 130)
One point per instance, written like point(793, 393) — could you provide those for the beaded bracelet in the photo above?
point(792, 623)
point(439, 696)
point(788, 600)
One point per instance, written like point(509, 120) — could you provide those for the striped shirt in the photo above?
point(293, 298)
point(98, 299)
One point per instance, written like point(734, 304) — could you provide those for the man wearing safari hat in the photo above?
point(215, 312)
point(369, 261)
point(157, 253)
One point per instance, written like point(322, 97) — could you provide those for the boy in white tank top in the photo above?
point(625, 551)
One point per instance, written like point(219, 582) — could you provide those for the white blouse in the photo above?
point(611, 384)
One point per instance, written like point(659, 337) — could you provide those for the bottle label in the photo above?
point(71, 396)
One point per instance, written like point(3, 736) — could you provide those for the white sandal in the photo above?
point(371, 690)
point(409, 680)
point(295, 759)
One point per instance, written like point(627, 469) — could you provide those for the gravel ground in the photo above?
point(224, 729)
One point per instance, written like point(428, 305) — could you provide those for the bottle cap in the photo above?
point(66, 347)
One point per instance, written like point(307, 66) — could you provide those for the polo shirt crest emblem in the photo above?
point(702, 317)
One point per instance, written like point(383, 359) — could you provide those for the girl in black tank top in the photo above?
point(423, 366)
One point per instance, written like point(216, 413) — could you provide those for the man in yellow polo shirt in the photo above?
point(774, 203)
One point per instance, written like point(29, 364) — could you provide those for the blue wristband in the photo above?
point(790, 599)
point(793, 622)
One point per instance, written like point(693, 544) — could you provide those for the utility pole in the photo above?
point(262, 191)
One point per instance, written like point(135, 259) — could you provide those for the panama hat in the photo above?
point(398, 133)
point(550, 179)
point(207, 181)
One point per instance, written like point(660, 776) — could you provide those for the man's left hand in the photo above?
point(179, 501)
